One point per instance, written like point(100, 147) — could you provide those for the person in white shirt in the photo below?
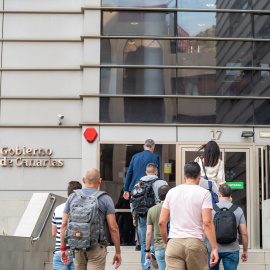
point(56, 227)
point(189, 207)
point(213, 164)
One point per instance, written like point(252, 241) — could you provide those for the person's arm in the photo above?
point(54, 231)
point(128, 179)
point(148, 241)
point(64, 253)
point(209, 230)
point(244, 233)
point(114, 230)
point(163, 220)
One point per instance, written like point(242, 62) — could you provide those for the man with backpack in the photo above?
point(84, 226)
point(144, 195)
point(228, 219)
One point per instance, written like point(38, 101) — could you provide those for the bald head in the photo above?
point(92, 176)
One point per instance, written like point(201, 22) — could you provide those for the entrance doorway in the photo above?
point(239, 174)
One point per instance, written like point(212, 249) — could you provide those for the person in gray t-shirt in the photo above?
point(95, 257)
point(229, 253)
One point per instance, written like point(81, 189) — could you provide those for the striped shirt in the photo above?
point(57, 221)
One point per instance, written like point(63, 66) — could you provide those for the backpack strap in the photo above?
point(98, 193)
point(233, 208)
point(210, 184)
point(79, 193)
point(216, 208)
point(201, 157)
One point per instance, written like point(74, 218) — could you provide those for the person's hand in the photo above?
point(148, 256)
point(165, 246)
point(65, 257)
point(117, 260)
point(126, 195)
point(244, 256)
point(134, 222)
point(213, 258)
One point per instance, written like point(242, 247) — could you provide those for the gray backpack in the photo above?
point(85, 227)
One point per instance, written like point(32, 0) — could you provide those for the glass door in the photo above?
point(237, 168)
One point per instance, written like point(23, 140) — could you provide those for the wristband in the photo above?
point(63, 248)
point(146, 250)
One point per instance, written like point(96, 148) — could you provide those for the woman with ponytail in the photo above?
point(213, 164)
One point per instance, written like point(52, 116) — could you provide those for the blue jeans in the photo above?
point(58, 265)
point(160, 256)
point(143, 227)
point(230, 260)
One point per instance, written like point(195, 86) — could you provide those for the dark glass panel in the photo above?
point(139, 3)
point(138, 81)
point(137, 23)
point(261, 4)
point(214, 82)
point(261, 54)
point(138, 52)
point(261, 81)
point(215, 111)
point(262, 112)
point(234, 54)
point(262, 26)
point(137, 110)
point(233, 4)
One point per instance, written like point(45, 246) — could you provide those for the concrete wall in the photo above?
point(10, 215)
point(266, 224)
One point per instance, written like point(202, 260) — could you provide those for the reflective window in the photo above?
point(262, 26)
point(138, 81)
point(139, 3)
point(262, 112)
point(261, 4)
point(214, 111)
point(138, 23)
point(215, 4)
point(261, 54)
point(138, 52)
point(261, 81)
point(137, 110)
point(214, 82)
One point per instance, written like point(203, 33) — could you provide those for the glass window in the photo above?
point(139, 3)
point(261, 81)
point(137, 110)
point(138, 81)
point(262, 26)
point(262, 112)
point(138, 52)
point(214, 111)
point(137, 23)
point(215, 4)
point(214, 82)
point(261, 4)
point(261, 54)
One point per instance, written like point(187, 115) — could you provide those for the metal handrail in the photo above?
point(45, 222)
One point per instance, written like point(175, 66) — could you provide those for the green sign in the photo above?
point(236, 185)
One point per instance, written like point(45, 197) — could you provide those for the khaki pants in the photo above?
point(96, 258)
point(186, 254)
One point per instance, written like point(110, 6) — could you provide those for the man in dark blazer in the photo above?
point(136, 169)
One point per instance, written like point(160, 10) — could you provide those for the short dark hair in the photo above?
point(162, 192)
point(72, 185)
point(192, 170)
point(225, 190)
point(149, 143)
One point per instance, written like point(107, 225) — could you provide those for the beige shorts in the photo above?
point(186, 254)
point(96, 258)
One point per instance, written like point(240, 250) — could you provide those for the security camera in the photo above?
point(60, 118)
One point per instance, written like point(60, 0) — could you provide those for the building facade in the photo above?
point(181, 72)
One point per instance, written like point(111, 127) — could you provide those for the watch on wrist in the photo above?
point(146, 250)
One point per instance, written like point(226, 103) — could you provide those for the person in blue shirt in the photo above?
point(136, 169)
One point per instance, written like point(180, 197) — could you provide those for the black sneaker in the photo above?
point(154, 260)
point(138, 248)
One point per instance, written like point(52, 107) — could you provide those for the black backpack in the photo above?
point(225, 224)
point(143, 197)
